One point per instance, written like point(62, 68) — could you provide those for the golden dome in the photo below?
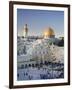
point(48, 32)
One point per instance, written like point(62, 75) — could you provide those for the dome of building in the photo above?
point(48, 33)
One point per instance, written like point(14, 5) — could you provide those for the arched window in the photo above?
point(33, 65)
point(36, 65)
point(22, 66)
point(46, 63)
point(25, 65)
point(29, 65)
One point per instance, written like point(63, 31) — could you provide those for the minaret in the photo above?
point(25, 33)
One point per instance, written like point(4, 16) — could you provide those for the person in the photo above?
point(24, 74)
point(18, 75)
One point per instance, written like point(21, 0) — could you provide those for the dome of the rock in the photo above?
point(49, 33)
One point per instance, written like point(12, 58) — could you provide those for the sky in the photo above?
point(38, 20)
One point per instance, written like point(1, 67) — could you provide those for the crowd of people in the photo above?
point(47, 70)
